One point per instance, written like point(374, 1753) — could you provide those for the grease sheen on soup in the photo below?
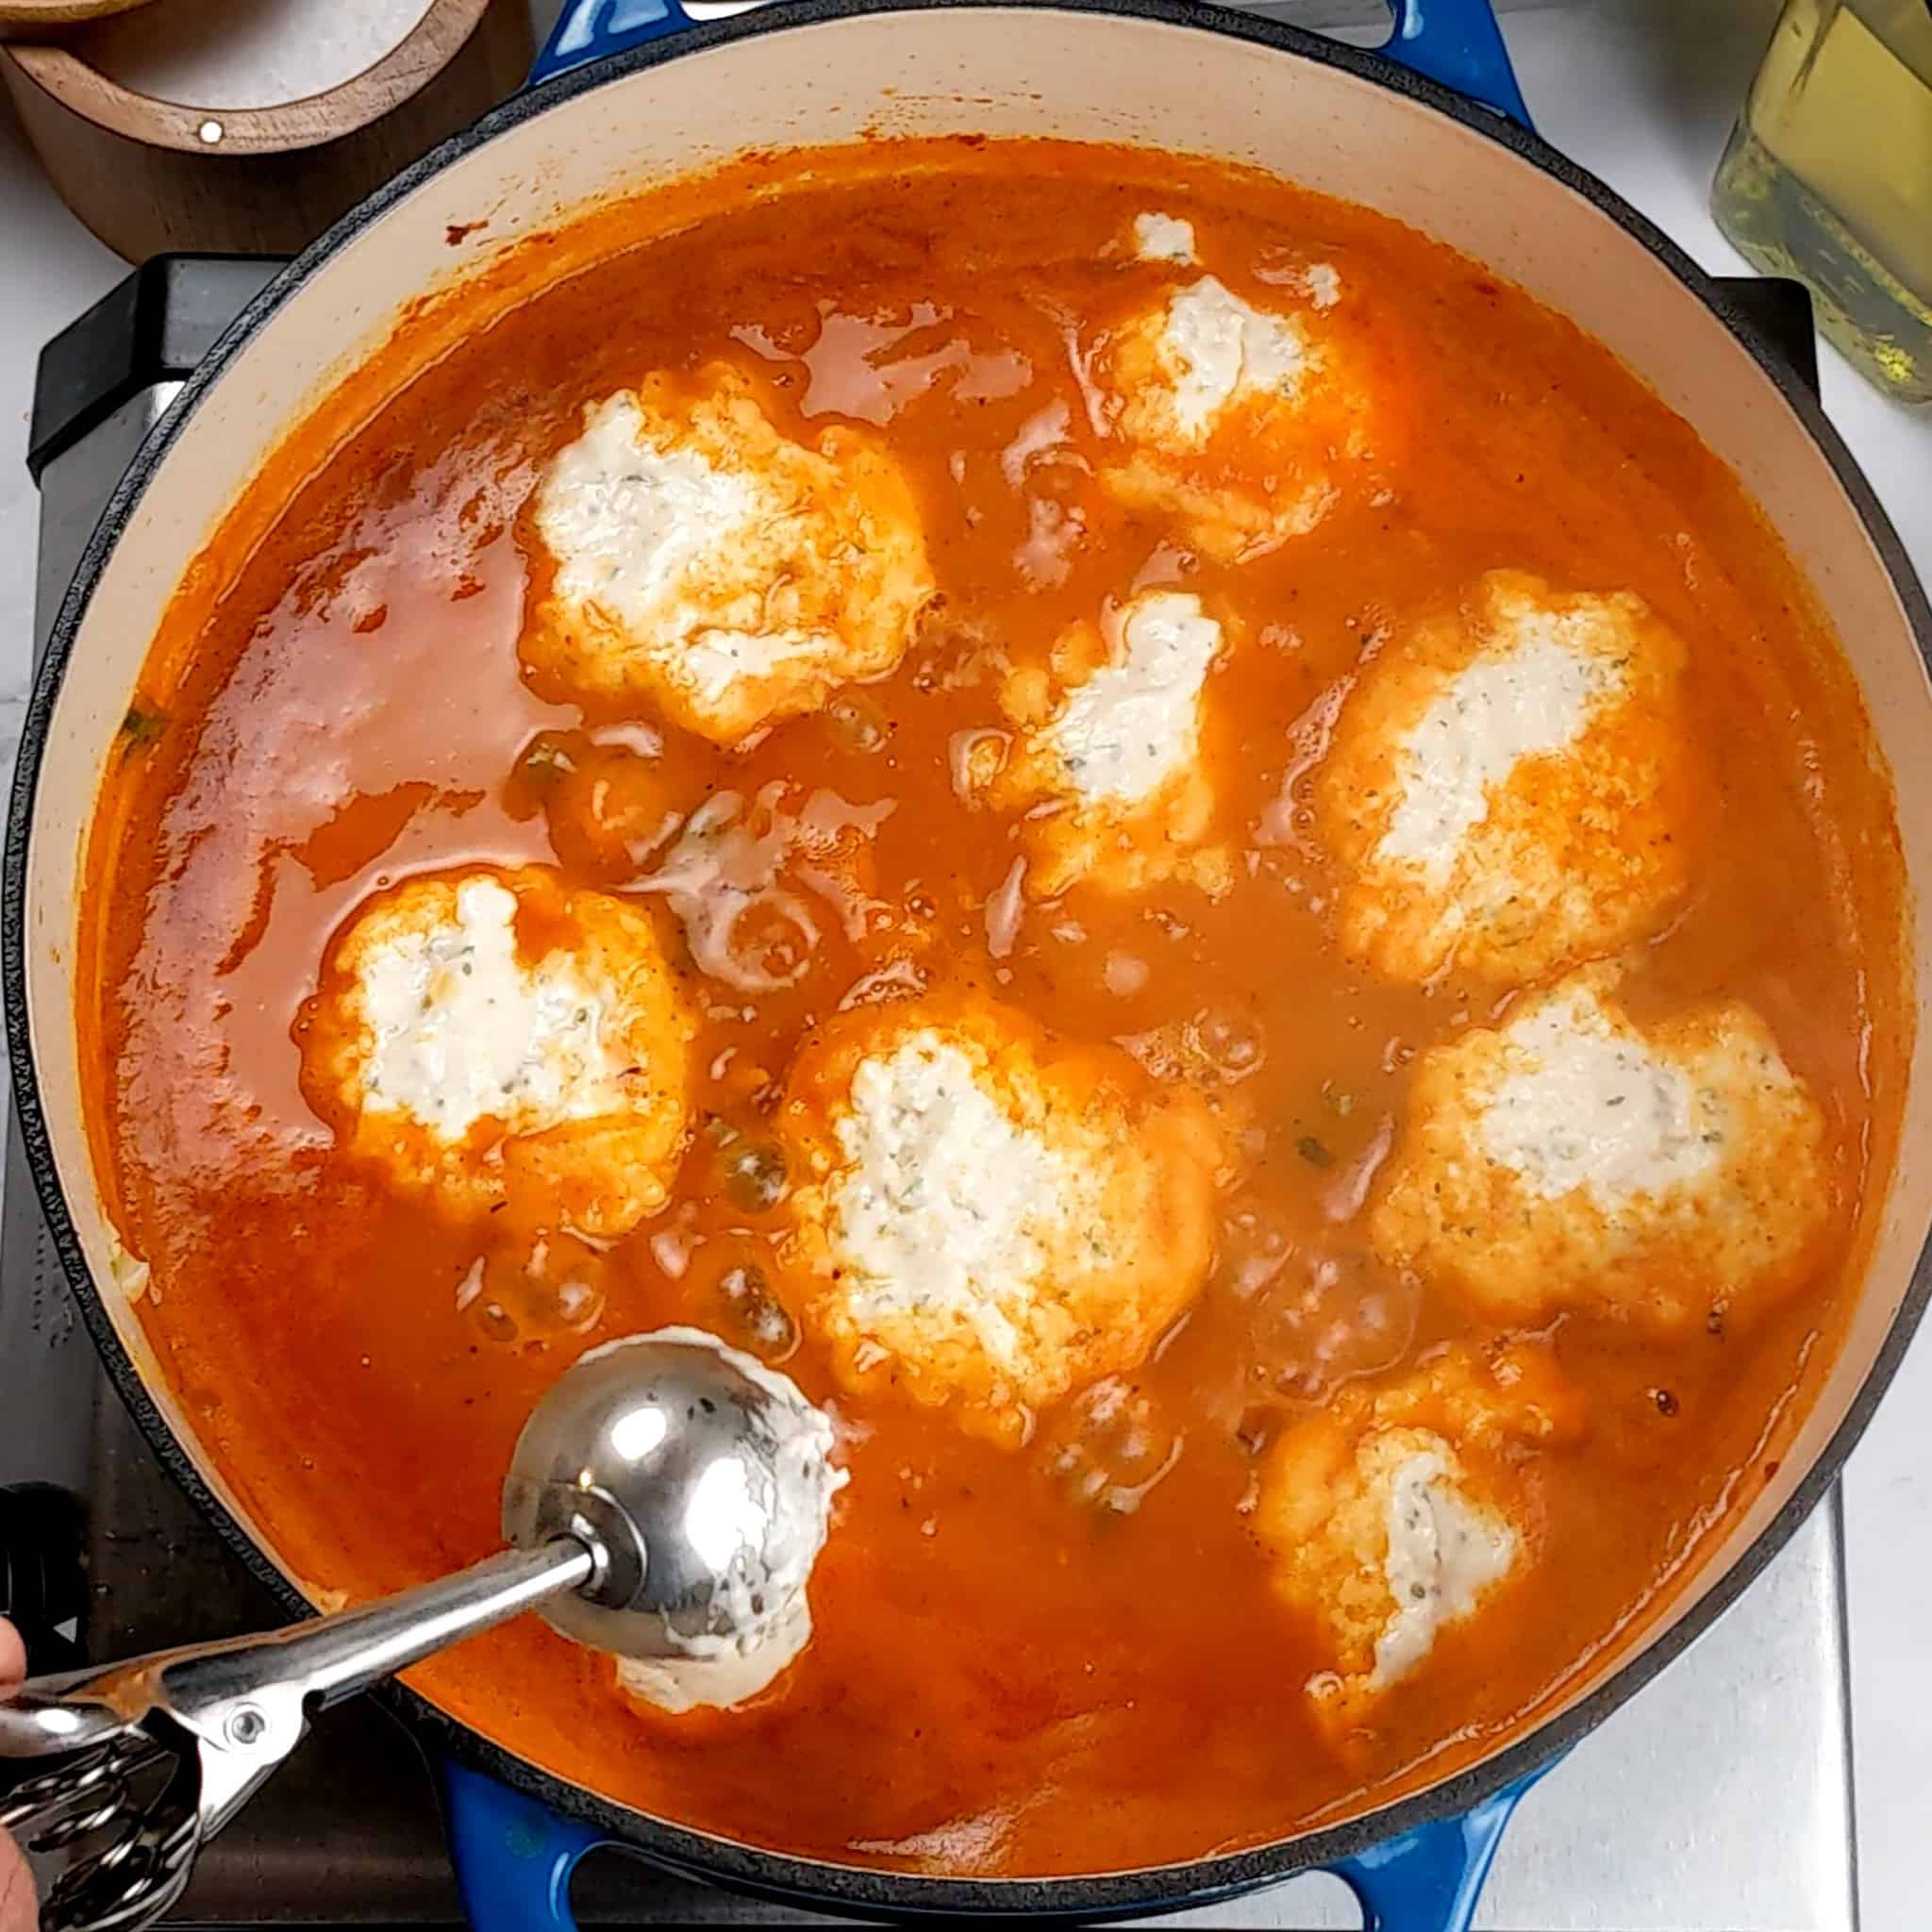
point(1117, 921)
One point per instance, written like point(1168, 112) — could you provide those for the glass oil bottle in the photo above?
point(1828, 177)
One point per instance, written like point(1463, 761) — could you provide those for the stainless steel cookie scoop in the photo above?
point(666, 1502)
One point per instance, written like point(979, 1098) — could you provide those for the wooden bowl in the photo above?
point(18, 17)
point(149, 173)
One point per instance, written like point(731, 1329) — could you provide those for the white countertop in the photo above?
point(1643, 92)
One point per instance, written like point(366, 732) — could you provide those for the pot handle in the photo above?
point(1458, 43)
point(514, 1857)
point(1428, 1879)
point(1453, 42)
point(587, 29)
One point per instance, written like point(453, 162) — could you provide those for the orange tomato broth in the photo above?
point(1003, 1679)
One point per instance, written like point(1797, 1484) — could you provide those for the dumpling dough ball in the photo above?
point(1106, 758)
point(1505, 784)
point(1656, 1175)
point(1158, 236)
point(990, 1217)
point(492, 1037)
point(1405, 1507)
point(709, 565)
point(1246, 424)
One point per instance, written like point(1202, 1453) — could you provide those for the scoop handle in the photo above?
point(211, 1689)
point(247, 1700)
point(73, 1748)
point(320, 1663)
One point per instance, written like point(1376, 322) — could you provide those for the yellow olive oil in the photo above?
point(1828, 177)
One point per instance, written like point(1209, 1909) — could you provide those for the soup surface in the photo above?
point(1189, 857)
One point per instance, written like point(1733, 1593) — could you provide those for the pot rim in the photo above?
point(743, 1867)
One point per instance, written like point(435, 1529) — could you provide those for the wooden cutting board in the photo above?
point(209, 125)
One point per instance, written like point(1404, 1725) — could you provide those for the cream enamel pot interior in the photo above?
point(1153, 72)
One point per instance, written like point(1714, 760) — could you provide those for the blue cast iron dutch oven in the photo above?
point(1430, 129)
